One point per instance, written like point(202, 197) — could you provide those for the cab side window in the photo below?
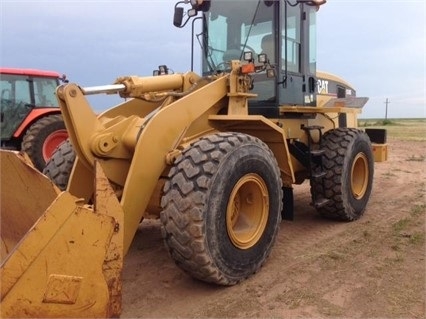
point(291, 45)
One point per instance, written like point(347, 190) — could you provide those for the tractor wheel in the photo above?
point(222, 207)
point(42, 138)
point(59, 166)
point(349, 166)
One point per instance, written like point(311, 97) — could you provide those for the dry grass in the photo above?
point(401, 129)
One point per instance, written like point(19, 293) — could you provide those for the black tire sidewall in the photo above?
point(229, 259)
point(342, 145)
point(35, 138)
point(360, 144)
point(59, 166)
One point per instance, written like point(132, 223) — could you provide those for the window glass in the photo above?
point(312, 41)
point(22, 93)
point(15, 88)
point(44, 91)
point(214, 43)
point(5, 88)
point(231, 29)
point(260, 38)
point(15, 98)
point(291, 45)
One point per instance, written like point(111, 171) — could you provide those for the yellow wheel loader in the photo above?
point(215, 156)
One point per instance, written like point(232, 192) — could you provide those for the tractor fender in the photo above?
point(32, 117)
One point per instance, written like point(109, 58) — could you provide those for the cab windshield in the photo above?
point(31, 91)
point(230, 29)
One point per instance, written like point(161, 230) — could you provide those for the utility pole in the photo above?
point(386, 113)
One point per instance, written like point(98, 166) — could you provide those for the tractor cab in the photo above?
point(283, 30)
point(21, 92)
point(30, 117)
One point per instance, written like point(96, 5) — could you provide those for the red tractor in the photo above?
point(30, 117)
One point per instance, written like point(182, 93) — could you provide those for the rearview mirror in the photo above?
point(178, 16)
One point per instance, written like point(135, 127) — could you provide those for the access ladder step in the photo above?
point(318, 175)
point(317, 153)
point(312, 127)
point(321, 202)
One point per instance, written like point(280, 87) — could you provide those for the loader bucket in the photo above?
point(59, 258)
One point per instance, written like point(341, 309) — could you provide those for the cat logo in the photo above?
point(322, 86)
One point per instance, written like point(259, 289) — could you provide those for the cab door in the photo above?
point(297, 50)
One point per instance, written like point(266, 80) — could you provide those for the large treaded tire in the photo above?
point(59, 166)
point(349, 166)
point(42, 138)
point(213, 185)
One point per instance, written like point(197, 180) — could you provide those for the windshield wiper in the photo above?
point(205, 48)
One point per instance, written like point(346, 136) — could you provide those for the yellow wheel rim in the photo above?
point(247, 211)
point(359, 176)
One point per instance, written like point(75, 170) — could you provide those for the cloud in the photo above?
point(377, 46)
point(110, 34)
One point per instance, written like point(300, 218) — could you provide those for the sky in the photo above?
point(379, 46)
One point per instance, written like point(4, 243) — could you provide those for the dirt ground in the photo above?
point(371, 268)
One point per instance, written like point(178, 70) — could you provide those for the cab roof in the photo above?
point(32, 72)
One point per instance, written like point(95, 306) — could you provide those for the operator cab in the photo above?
point(285, 30)
point(22, 91)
